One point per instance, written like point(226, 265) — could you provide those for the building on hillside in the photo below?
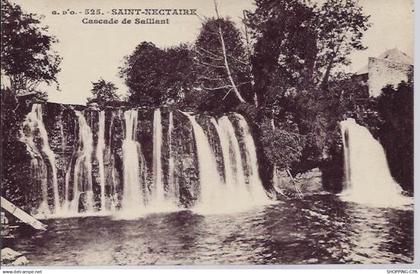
point(390, 68)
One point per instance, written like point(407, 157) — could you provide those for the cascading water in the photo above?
point(112, 180)
point(34, 122)
point(67, 203)
point(157, 194)
point(255, 183)
point(66, 207)
point(233, 168)
point(367, 176)
point(172, 188)
point(215, 184)
point(82, 181)
point(100, 148)
point(211, 187)
point(132, 201)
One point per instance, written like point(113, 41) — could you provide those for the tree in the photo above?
point(341, 24)
point(103, 93)
point(299, 44)
point(158, 76)
point(26, 61)
point(26, 56)
point(283, 147)
point(284, 48)
point(179, 78)
point(396, 131)
point(14, 174)
point(221, 60)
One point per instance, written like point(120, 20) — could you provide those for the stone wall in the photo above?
point(383, 73)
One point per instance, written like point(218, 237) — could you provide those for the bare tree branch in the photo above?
point(240, 61)
point(210, 78)
point(222, 40)
point(227, 93)
point(218, 88)
point(209, 65)
point(209, 52)
point(207, 56)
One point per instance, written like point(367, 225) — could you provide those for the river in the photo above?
point(320, 229)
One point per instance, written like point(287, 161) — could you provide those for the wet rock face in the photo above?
point(63, 131)
point(186, 170)
point(90, 148)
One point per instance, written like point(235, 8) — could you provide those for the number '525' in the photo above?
point(93, 12)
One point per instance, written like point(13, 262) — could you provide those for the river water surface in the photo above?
point(318, 229)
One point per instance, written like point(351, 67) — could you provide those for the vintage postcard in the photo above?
point(207, 133)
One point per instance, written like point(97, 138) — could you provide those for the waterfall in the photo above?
point(100, 148)
point(157, 189)
point(228, 150)
point(172, 188)
point(255, 183)
point(132, 203)
point(83, 167)
point(233, 168)
point(34, 123)
point(245, 195)
point(111, 171)
point(218, 165)
point(66, 203)
point(367, 176)
point(45, 147)
point(66, 207)
point(38, 168)
point(211, 187)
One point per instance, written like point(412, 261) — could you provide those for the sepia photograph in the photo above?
point(142, 133)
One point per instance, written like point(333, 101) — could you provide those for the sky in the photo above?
point(91, 52)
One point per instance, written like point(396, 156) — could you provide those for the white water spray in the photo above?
point(234, 171)
point(172, 188)
point(83, 167)
point(157, 189)
point(367, 176)
point(132, 203)
point(100, 148)
point(255, 182)
point(211, 187)
point(34, 121)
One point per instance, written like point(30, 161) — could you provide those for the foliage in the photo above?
point(14, 175)
point(221, 63)
point(194, 77)
point(340, 26)
point(396, 132)
point(158, 76)
point(297, 44)
point(103, 93)
point(26, 56)
point(283, 148)
point(27, 60)
point(284, 46)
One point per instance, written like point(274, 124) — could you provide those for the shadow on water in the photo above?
point(318, 229)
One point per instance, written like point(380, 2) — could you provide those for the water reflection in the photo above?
point(318, 229)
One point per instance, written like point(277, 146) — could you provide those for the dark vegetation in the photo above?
point(396, 131)
point(27, 60)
